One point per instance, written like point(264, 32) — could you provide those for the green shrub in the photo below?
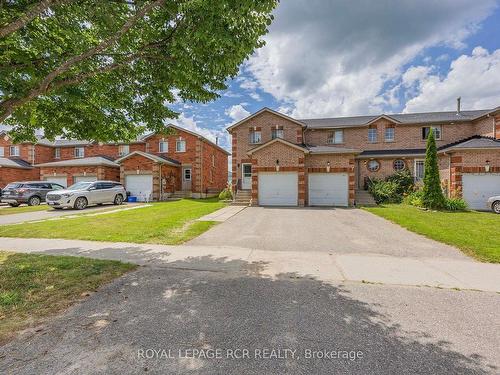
point(393, 189)
point(415, 198)
point(455, 204)
point(226, 195)
point(404, 181)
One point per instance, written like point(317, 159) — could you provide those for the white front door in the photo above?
point(246, 176)
point(139, 185)
point(419, 170)
point(186, 179)
point(477, 188)
point(328, 189)
point(61, 180)
point(278, 189)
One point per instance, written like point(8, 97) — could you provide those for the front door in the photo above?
point(186, 179)
point(246, 176)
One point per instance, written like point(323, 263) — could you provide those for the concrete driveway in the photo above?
point(339, 231)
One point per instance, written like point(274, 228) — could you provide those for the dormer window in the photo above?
point(255, 136)
point(277, 133)
point(14, 151)
point(335, 137)
point(79, 152)
point(436, 129)
point(389, 134)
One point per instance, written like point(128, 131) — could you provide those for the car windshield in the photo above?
point(80, 186)
point(13, 186)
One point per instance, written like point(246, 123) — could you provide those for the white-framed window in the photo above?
point(419, 169)
point(335, 137)
point(373, 165)
point(372, 135)
point(123, 150)
point(180, 145)
point(389, 134)
point(2, 152)
point(436, 129)
point(79, 152)
point(255, 136)
point(163, 146)
point(277, 133)
point(14, 151)
point(57, 153)
point(399, 165)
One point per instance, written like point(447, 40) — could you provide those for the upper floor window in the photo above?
point(255, 136)
point(180, 145)
point(277, 133)
point(389, 134)
point(372, 135)
point(57, 153)
point(14, 151)
point(335, 137)
point(123, 150)
point(2, 154)
point(79, 152)
point(435, 129)
point(163, 146)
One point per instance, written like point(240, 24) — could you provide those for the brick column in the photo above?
point(456, 176)
point(234, 163)
point(255, 183)
point(352, 182)
point(156, 182)
point(302, 182)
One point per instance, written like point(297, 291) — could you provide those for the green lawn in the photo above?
point(162, 223)
point(22, 209)
point(35, 286)
point(476, 233)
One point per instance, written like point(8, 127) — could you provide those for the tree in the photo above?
point(432, 193)
point(107, 70)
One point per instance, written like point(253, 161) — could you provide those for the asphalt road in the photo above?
point(384, 329)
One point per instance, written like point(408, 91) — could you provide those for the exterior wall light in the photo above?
point(328, 166)
point(487, 166)
point(277, 165)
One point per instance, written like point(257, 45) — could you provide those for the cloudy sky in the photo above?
point(354, 57)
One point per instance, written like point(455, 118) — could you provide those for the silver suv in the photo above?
point(83, 194)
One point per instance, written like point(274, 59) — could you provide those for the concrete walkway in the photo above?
point(223, 214)
point(50, 213)
point(321, 266)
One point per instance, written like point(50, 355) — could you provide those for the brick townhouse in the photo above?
point(279, 160)
point(155, 166)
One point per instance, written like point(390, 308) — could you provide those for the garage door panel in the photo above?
point(57, 180)
point(140, 186)
point(84, 179)
point(278, 189)
point(477, 188)
point(328, 189)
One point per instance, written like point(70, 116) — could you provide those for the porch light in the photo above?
point(277, 165)
point(487, 166)
point(328, 166)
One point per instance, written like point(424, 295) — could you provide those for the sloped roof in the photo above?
point(15, 163)
point(80, 162)
point(473, 143)
point(395, 152)
point(331, 150)
point(302, 148)
point(265, 109)
point(154, 157)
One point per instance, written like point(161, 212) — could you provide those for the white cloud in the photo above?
point(475, 77)
point(237, 112)
point(189, 123)
point(335, 57)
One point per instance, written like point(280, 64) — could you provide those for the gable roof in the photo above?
point(265, 109)
point(90, 161)
point(155, 158)
point(146, 136)
point(279, 140)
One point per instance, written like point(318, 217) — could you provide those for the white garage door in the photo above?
point(278, 189)
point(139, 185)
point(328, 189)
point(84, 179)
point(477, 188)
point(57, 180)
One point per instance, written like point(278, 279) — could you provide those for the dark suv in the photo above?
point(31, 192)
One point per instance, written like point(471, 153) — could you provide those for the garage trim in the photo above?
point(285, 191)
point(331, 189)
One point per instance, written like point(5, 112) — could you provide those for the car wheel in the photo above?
point(80, 203)
point(14, 204)
point(34, 201)
point(118, 199)
point(496, 207)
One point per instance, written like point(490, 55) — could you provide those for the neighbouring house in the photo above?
point(280, 160)
point(156, 166)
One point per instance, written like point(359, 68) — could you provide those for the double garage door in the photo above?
point(325, 189)
point(477, 188)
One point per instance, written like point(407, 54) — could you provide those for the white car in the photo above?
point(494, 204)
point(83, 194)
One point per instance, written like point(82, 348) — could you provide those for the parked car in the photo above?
point(494, 204)
point(30, 192)
point(83, 194)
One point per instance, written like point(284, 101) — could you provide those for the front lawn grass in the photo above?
point(22, 209)
point(33, 287)
point(476, 233)
point(163, 223)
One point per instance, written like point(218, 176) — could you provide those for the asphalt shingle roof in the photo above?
point(14, 163)
point(94, 160)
